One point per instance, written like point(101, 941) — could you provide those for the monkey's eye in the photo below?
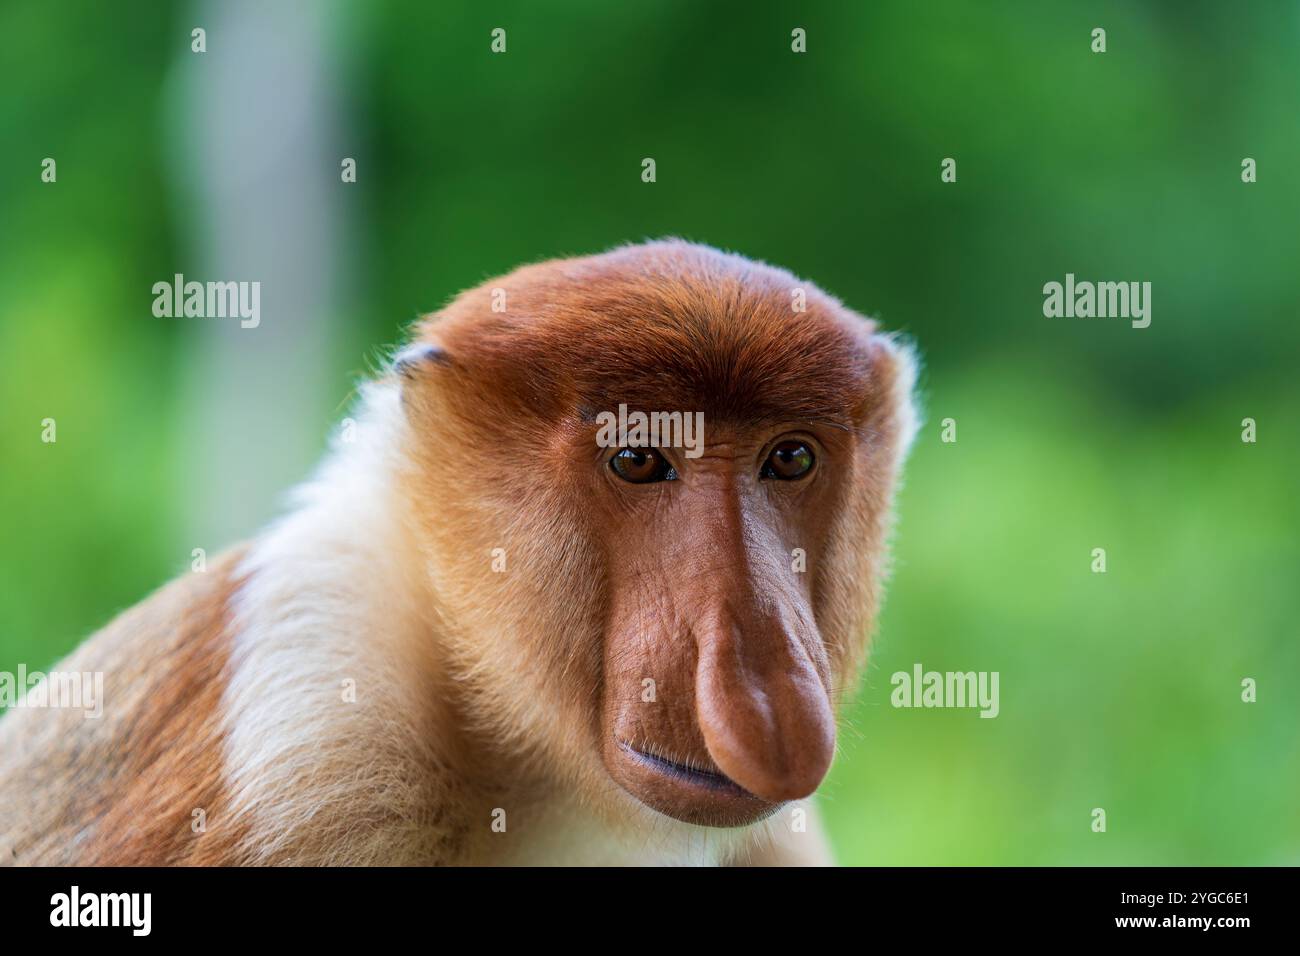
point(642, 466)
point(789, 461)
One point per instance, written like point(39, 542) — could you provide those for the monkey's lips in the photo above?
point(706, 797)
point(713, 779)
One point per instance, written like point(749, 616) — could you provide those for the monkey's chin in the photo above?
point(680, 792)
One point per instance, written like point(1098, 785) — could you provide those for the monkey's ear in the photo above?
point(897, 365)
point(418, 358)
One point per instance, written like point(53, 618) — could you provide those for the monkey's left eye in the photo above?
point(642, 466)
point(788, 461)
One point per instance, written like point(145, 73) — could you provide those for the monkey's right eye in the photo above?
point(641, 466)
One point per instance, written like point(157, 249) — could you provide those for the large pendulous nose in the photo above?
point(764, 711)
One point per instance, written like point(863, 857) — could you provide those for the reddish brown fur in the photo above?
point(667, 325)
point(124, 786)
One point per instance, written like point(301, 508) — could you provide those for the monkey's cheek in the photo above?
point(702, 799)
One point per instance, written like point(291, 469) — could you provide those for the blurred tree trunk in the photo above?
point(258, 168)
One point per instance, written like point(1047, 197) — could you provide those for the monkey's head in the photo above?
point(679, 620)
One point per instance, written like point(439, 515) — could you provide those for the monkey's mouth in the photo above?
point(711, 779)
point(696, 792)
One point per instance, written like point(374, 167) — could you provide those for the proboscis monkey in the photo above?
point(480, 636)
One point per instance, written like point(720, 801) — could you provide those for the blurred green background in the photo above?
point(1118, 690)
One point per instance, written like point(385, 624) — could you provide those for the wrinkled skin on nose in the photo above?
point(762, 705)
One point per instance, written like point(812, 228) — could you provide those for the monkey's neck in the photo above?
point(338, 742)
